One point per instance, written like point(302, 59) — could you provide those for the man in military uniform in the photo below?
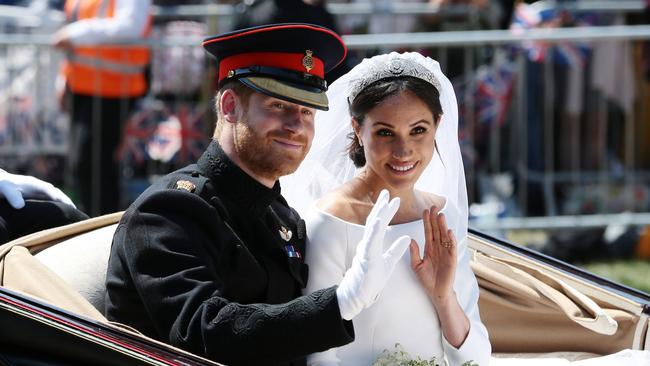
point(211, 258)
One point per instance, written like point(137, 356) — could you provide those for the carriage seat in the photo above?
point(82, 262)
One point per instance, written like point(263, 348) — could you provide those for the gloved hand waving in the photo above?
point(371, 266)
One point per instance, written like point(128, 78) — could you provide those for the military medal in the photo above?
point(285, 233)
point(185, 185)
point(291, 251)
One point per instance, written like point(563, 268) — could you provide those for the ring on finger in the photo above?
point(446, 243)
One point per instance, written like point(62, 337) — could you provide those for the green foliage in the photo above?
point(633, 273)
point(399, 357)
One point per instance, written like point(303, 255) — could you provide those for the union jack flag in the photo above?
point(156, 132)
point(137, 132)
point(489, 91)
point(544, 15)
point(193, 133)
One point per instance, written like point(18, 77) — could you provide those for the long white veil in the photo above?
point(327, 164)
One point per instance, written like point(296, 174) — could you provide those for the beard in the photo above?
point(263, 156)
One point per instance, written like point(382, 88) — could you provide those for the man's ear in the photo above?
point(229, 105)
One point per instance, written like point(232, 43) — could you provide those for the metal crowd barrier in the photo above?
point(371, 7)
point(531, 164)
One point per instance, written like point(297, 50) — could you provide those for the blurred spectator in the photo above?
point(595, 244)
point(471, 14)
point(384, 21)
point(102, 84)
point(259, 12)
point(463, 15)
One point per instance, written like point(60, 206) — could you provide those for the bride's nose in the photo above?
point(402, 149)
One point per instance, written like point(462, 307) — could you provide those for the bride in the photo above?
point(393, 125)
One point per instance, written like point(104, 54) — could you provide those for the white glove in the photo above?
point(16, 188)
point(371, 267)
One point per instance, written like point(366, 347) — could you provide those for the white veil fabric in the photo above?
point(327, 165)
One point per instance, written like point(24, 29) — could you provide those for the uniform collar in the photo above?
point(233, 184)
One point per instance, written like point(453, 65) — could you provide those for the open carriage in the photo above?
point(536, 308)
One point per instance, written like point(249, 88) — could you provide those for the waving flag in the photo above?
point(156, 132)
point(137, 132)
point(193, 133)
point(545, 15)
point(494, 92)
point(489, 91)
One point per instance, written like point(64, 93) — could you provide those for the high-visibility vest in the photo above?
point(105, 70)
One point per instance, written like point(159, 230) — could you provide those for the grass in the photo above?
point(634, 273)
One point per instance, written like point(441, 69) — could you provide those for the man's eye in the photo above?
point(418, 130)
point(384, 132)
point(278, 105)
point(307, 112)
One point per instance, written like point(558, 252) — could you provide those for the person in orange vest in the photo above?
point(100, 83)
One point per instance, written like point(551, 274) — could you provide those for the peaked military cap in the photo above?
point(286, 61)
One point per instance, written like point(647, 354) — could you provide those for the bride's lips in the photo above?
point(402, 168)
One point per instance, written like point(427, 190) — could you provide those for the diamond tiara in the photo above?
point(395, 67)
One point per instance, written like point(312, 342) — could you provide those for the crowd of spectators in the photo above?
point(170, 127)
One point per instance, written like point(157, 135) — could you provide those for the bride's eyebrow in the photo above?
point(427, 122)
point(386, 124)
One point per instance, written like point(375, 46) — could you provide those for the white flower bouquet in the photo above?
point(399, 357)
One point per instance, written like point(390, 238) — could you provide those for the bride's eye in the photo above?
point(418, 130)
point(384, 132)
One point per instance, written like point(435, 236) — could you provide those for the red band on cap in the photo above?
point(280, 60)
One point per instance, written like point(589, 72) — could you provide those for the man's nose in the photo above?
point(294, 121)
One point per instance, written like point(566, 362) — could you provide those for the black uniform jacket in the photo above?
point(201, 260)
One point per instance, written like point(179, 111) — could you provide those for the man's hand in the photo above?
point(371, 266)
point(16, 188)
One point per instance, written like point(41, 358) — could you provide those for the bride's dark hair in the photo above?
point(376, 92)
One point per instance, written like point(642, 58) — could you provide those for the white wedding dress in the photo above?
point(403, 313)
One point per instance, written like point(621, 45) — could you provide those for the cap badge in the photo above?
point(185, 185)
point(231, 73)
point(308, 60)
point(285, 233)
